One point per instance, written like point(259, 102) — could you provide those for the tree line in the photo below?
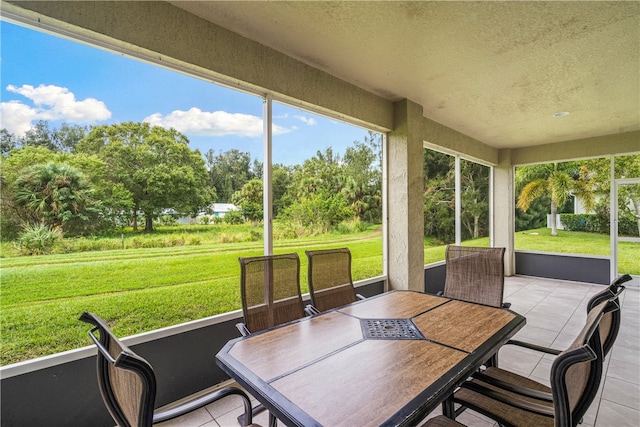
point(540, 190)
point(553, 188)
point(80, 180)
point(88, 180)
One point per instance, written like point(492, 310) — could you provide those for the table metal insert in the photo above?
point(390, 329)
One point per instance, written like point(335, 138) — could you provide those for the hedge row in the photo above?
point(596, 223)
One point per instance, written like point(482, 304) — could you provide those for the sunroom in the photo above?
point(501, 85)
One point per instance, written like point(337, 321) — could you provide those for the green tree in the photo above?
point(281, 179)
point(155, 165)
point(39, 136)
point(257, 170)
point(628, 196)
point(249, 199)
point(317, 200)
point(8, 142)
point(228, 172)
point(558, 181)
point(325, 170)
point(56, 195)
point(439, 210)
point(474, 180)
point(115, 201)
point(439, 196)
point(67, 137)
point(318, 212)
point(13, 215)
point(64, 138)
point(362, 178)
point(535, 216)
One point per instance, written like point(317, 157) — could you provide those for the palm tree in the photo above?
point(249, 198)
point(53, 194)
point(558, 182)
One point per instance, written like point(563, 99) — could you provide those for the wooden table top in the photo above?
point(338, 368)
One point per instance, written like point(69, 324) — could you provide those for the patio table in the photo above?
point(387, 360)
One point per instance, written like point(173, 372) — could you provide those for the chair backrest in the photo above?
point(576, 372)
point(330, 281)
point(475, 274)
point(270, 290)
point(127, 382)
point(610, 324)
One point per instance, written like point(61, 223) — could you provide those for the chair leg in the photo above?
point(492, 362)
point(255, 410)
point(448, 408)
point(273, 421)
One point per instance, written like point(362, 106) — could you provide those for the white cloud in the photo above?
point(217, 123)
point(16, 117)
point(307, 120)
point(50, 103)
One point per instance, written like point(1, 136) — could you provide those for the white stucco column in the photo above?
point(504, 210)
point(406, 207)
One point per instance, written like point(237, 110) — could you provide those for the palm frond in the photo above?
point(560, 186)
point(530, 192)
point(526, 174)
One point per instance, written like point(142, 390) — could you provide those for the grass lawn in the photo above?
point(137, 290)
point(576, 242)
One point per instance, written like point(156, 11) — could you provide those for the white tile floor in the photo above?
point(555, 312)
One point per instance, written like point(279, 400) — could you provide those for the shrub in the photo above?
point(602, 217)
point(348, 227)
point(228, 238)
point(233, 217)
point(285, 230)
point(38, 239)
point(205, 220)
point(174, 241)
point(627, 224)
point(194, 241)
point(168, 220)
point(256, 235)
point(580, 222)
point(599, 222)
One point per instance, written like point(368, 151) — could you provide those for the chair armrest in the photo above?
point(189, 406)
point(535, 347)
point(243, 329)
point(360, 297)
point(527, 405)
point(311, 310)
point(524, 391)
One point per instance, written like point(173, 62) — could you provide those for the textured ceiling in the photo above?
point(496, 71)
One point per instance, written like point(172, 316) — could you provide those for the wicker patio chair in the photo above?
point(330, 281)
point(475, 275)
point(270, 291)
point(128, 384)
point(609, 325)
point(514, 400)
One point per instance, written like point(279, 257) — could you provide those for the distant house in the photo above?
point(216, 210)
point(220, 209)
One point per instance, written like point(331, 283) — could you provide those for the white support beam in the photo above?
point(267, 175)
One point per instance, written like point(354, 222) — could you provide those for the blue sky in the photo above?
point(45, 77)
